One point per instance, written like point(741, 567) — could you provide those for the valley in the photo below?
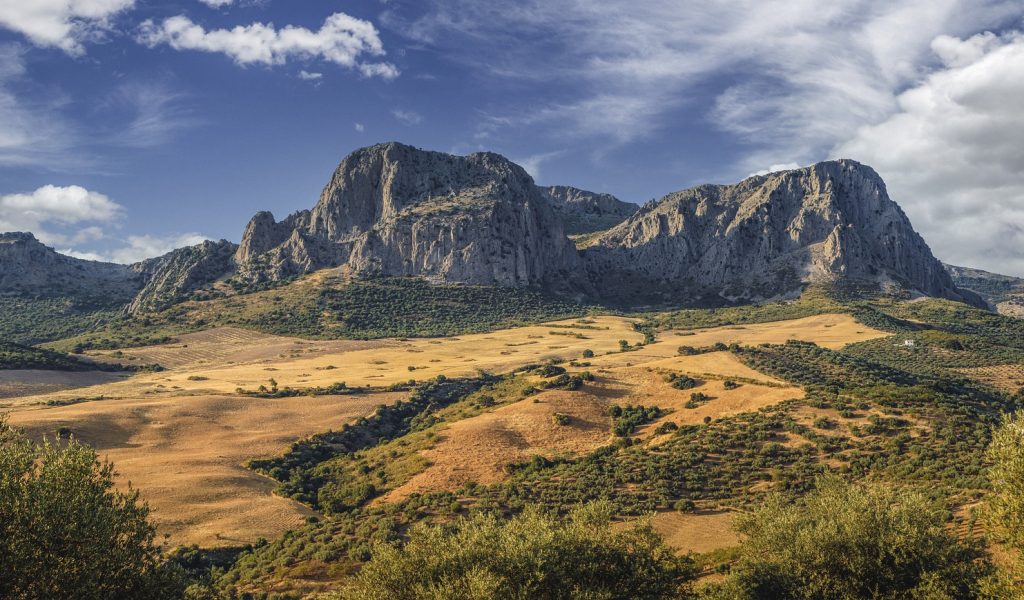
point(183, 434)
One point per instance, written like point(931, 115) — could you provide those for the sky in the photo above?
point(131, 127)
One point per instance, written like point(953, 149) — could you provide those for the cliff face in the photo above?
point(392, 209)
point(766, 235)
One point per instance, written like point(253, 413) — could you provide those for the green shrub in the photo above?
point(852, 541)
point(533, 555)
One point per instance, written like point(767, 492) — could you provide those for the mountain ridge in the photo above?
point(395, 210)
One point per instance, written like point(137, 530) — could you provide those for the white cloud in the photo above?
point(63, 24)
point(154, 112)
point(409, 117)
point(359, 127)
point(952, 155)
point(308, 76)
point(793, 78)
point(140, 247)
point(342, 40)
point(776, 169)
point(217, 3)
point(62, 207)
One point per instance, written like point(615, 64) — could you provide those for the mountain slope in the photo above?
point(586, 212)
point(768, 235)
point(1002, 292)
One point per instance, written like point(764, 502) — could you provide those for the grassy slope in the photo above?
point(34, 320)
point(318, 307)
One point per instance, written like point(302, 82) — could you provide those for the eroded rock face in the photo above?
point(395, 210)
point(767, 235)
point(392, 209)
point(170, 278)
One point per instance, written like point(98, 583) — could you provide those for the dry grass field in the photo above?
point(828, 330)
point(185, 454)
point(182, 435)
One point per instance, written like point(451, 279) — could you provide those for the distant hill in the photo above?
point(1003, 292)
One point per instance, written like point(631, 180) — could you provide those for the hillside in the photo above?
point(1002, 292)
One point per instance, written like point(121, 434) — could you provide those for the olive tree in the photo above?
point(531, 556)
point(852, 541)
point(66, 532)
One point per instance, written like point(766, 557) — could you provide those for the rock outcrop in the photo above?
point(583, 212)
point(766, 236)
point(392, 209)
point(170, 278)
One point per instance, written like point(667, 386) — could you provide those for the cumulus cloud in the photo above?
point(62, 207)
point(952, 154)
point(342, 40)
point(217, 3)
point(308, 76)
point(63, 24)
point(409, 117)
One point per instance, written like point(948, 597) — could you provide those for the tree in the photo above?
point(533, 555)
point(1006, 504)
point(848, 541)
point(65, 532)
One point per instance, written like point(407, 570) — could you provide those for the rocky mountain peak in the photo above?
point(769, 234)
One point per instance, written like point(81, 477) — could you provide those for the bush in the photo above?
point(588, 353)
point(1006, 452)
point(65, 532)
point(533, 555)
point(851, 541)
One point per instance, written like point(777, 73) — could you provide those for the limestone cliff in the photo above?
point(767, 235)
point(392, 209)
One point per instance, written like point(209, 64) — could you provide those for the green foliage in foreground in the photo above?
point(853, 541)
point(66, 533)
point(1006, 506)
point(531, 556)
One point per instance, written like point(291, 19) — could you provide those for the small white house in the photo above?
point(908, 343)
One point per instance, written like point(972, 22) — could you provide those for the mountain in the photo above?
point(395, 210)
point(766, 236)
point(30, 268)
point(584, 212)
point(1002, 292)
point(392, 209)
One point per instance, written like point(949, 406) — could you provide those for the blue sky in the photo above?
point(129, 127)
